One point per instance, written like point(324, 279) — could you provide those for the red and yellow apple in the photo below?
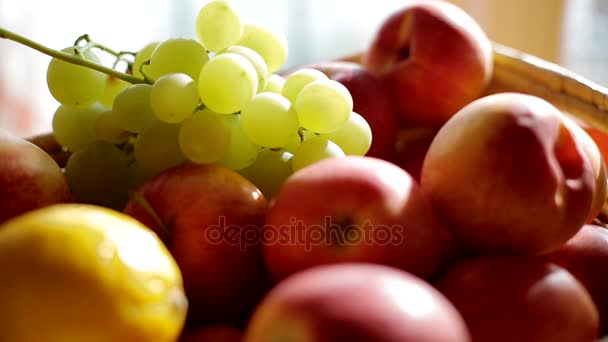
point(355, 302)
point(434, 58)
point(516, 298)
point(352, 209)
point(29, 178)
point(506, 174)
point(586, 256)
point(210, 219)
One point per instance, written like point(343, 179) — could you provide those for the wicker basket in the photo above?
point(514, 71)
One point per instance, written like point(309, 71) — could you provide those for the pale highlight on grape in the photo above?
point(298, 80)
point(241, 151)
point(177, 55)
point(275, 84)
point(204, 137)
point(354, 137)
point(323, 106)
point(131, 110)
point(72, 84)
point(227, 82)
point(256, 60)
point(313, 150)
point(157, 147)
point(272, 46)
point(218, 25)
point(74, 127)
point(174, 97)
point(269, 121)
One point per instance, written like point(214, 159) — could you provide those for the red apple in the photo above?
point(355, 302)
point(371, 100)
point(586, 255)
point(352, 209)
point(209, 217)
point(524, 299)
point(216, 333)
point(507, 175)
point(29, 178)
point(434, 58)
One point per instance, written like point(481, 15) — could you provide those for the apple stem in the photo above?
point(70, 58)
point(143, 202)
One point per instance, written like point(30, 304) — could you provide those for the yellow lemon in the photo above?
point(72, 272)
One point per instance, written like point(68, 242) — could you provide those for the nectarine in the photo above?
point(524, 299)
point(209, 217)
point(29, 178)
point(506, 174)
point(355, 302)
point(434, 58)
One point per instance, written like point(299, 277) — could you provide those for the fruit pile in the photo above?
point(215, 100)
point(211, 196)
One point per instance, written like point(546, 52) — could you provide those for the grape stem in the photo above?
point(69, 58)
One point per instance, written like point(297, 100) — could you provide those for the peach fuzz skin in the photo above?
point(585, 256)
point(506, 175)
point(515, 298)
point(355, 302)
point(29, 178)
point(434, 58)
point(223, 278)
point(362, 195)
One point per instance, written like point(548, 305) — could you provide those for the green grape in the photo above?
point(74, 127)
point(241, 152)
point(113, 86)
point(313, 150)
point(174, 97)
point(72, 84)
point(157, 147)
point(132, 110)
point(142, 57)
point(275, 84)
point(269, 121)
point(354, 137)
point(106, 130)
point(271, 45)
point(204, 137)
point(256, 60)
point(218, 25)
point(298, 80)
point(177, 55)
point(137, 175)
point(97, 174)
point(323, 106)
point(269, 171)
point(296, 140)
point(227, 82)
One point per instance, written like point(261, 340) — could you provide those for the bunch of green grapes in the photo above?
point(217, 99)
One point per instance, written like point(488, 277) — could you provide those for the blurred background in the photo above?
point(569, 32)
